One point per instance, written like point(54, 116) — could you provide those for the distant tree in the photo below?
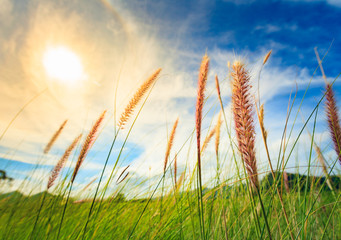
point(3, 176)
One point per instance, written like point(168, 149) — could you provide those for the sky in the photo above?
point(121, 43)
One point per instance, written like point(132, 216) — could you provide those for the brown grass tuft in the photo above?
point(242, 112)
point(203, 72)
point(333, 119)
point(54, 137)
point(137, 97)
point(89, 141)
point(170, 144)
point(56, 170)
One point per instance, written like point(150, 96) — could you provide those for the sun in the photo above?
point(63, 64)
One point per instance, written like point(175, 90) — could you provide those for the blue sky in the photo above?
point(128, 40)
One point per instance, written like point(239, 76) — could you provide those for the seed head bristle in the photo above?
point(267, 57)
point(54, 137)
point(137, 97)
point(333, 120)
point(170, 144)
point(89, 141)
point(242, 112)
point(56, 170)
point(202, 79)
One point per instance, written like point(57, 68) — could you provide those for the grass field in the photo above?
point(181, 205)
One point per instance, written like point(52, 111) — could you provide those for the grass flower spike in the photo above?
point(242, 112)
point(89, 141)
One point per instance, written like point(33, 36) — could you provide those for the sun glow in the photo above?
point(62, 64)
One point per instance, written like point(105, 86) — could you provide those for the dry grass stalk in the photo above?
point(323, 164)
point(175, 168)
point(267, 57)
point(333, 120)
point(207, 140)
point(203, 72)
point(137, 97)
point(122, 173)
point(56, 170)
point(89, 141)
point(320, 64)
point(89, 184)
point(54, 137)
point(217, 134)
point(180, 181)
point(123, 178)
point(170, 144)
point(242, 112)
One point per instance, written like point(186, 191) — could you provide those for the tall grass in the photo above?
point(223, 192)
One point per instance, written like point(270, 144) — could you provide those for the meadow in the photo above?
point(181, 205)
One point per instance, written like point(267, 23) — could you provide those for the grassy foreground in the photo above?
point(228, 215)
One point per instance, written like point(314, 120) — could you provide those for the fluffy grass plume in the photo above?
point(54, 137)
point(89, 141)
point(217, 133)
point(217, 86)
point(331, 111)
point(170, 143)
point(333, 120)
point(202, 80)
point(137, 97)
point(261, 121)
point(56, 170)
point(207, 139)
point(242, 113)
